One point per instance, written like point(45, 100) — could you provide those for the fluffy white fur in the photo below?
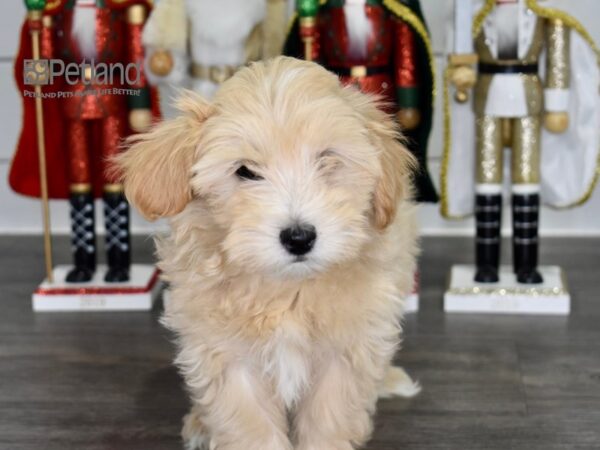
point(278, 353)
point(84, 28)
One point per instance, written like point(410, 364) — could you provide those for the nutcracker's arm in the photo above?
point(136, 17)
point(47, 44)
point(556, 92)
point(139, 104)
point(463, 59)
point(406, 75)
point(462, 74)
point(165, 38)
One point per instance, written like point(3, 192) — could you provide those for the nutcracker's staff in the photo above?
point(35, 10)
point(307, 11)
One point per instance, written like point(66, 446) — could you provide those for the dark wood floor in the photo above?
point(105, 381)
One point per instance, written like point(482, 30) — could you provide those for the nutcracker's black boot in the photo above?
point(488, 213)
point(525, 238)
point(83, 237)
point(118, 246)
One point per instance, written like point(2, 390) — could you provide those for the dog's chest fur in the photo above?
point(286, 360)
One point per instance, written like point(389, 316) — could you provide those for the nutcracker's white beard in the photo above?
point(507, 27)
point(358, 27)
point(84, 29)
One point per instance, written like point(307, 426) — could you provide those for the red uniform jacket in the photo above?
point(390, 55)
point(122, 43)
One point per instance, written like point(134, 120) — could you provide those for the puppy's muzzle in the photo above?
point(298, 239)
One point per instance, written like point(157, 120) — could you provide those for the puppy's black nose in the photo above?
point(298, 239)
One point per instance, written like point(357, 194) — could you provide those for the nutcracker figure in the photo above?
point(383, 47)
point(533, 70)
point(87, 110)
point(201, 43)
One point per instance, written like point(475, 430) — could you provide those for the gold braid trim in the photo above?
point(406, 14)
point(52, 5)
point(444, 209)
point(571, 22)
point(290, 24)
point(481, 16)
point(447, 147)
point(447, 150)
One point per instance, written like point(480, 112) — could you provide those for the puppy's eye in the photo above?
point(328, 161)
point(246, 174)
point(327, 153)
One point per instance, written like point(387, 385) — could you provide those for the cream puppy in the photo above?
point(292, 246)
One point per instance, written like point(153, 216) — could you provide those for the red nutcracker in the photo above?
point(383, 47)
point(94, 95)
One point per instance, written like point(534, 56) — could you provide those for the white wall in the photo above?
point(21, 215)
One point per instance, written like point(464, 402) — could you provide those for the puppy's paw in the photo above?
point(194, 433)
point(397, 383)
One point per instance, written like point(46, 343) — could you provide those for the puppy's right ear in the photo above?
point(156, 167)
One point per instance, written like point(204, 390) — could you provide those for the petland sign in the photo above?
point(43, 72)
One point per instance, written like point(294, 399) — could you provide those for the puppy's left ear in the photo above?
point(397, 166)
point(156, 168)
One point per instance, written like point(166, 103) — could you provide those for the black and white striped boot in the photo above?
point(118, 245)
point(488, 215)
point(525, 237)
point(83, 237)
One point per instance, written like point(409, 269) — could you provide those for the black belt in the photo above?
point(364, 71)
point(491, 69)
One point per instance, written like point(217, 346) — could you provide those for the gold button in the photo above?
point(87, 73)
point(358, 71)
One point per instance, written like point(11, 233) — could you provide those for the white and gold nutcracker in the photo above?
point(200, 43)
point(523, 75)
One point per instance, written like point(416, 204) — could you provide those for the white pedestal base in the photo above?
point(411, 304)
point(137, 294)
point(507, 296)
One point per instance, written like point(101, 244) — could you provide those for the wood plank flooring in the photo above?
point(104, 381)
